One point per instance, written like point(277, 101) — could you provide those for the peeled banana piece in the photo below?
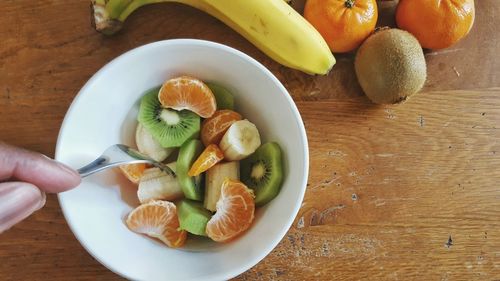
point(271, 25)
point(240, 140)
point(149, 146)
point(155, 184)
point(214, 178)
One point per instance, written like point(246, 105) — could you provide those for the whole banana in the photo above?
point(271, 25)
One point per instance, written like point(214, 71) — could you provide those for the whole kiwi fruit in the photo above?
point(390, 66)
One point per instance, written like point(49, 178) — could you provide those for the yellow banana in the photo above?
point(271, 25)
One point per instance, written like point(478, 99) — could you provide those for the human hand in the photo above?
point(25, 176)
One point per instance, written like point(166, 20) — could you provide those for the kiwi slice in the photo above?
point(193, 217)
point(188, 153)
point(223, 97)
point(169, 127)
point(263, 172)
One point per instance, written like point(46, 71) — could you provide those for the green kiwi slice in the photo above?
point(169, 127)
point(193, 217)
point(263, 172)
point(191, 186)
point(223, 97)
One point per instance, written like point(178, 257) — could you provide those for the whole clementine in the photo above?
point(344, 24)
point(437, 24)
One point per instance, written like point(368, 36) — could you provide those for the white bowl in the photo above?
point(104, 113)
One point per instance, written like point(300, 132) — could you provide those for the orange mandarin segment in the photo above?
point(235, 212)
point(158, 219)
point(188, 93)
point(207, 159)
point(133, 172)
point(214, 128)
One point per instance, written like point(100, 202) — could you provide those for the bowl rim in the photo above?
point(203, 43)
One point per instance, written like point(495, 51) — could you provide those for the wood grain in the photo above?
point(388, 187)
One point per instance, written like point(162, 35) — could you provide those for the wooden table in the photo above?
point(395, 192)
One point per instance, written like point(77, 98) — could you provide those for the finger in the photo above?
point(45, 173)
point(18, 200)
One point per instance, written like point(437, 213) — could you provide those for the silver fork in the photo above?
point(117, 155)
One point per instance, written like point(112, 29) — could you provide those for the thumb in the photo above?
point(18, 200)
point(27, 166)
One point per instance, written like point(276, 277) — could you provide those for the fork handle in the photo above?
point(95, 166)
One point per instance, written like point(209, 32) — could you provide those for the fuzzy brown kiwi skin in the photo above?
point(390, 66)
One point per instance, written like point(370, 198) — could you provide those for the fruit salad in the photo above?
point(221, 170)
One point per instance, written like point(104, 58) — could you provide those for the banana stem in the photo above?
point(101, 19)
point(108, 15)
point(129, 9)
point(116, 7)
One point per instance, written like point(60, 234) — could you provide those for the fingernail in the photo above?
point(18, 201)
point(67, 169)
point(62, 166)
point(43, 200)
point(46, 157)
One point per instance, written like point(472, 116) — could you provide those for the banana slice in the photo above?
point(149, 146)
point(213, 181)
point(240, 140)
point(158, 185)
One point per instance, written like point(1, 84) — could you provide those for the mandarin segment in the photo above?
point(133, 172)
point(189, 93)
point(158, 219)
point(207, 159)
point(214, 128)
point(235, 211)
